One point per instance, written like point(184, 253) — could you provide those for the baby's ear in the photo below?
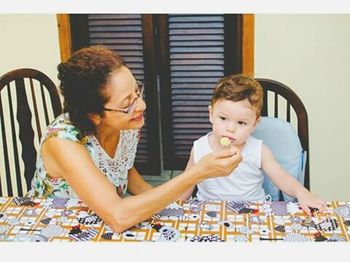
point(256, 123)
point(210, 110)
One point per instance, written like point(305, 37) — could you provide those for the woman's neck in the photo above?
point(108, 141)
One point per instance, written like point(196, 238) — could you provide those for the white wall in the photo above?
point(307, 52)
point(29, 40)
point(311, 54)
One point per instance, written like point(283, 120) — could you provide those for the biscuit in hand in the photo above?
point(225, 141)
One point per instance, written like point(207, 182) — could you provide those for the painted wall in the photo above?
point(310, 53)
point(29, 40)
point(307, 52)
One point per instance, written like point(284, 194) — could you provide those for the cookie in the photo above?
point(225, 141)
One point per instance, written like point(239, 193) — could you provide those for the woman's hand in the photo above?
point(307, 199)
point(218, 164)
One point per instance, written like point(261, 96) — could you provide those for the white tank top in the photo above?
point(244, 183)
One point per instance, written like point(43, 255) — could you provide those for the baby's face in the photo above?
point(234, 120)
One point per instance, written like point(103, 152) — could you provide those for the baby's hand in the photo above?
point(309, 200)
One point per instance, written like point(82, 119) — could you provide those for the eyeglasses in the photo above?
point(131, 107)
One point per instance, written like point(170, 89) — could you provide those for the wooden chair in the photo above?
point(280, 101)
point(29, 101)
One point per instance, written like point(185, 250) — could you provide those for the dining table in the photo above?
point(24, 219)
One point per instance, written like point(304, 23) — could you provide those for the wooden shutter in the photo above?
point(196, 51)
point(129, 35)
point(184, 56)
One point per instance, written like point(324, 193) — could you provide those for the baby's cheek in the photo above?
point(218, 130)
point(245, 136)
point(218, 127)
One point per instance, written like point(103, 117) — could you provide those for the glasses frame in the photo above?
point(132, 105)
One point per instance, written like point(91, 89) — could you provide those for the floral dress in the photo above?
point(115, 169)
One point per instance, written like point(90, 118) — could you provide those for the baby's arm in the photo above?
point(190, 163)
point(287, 183)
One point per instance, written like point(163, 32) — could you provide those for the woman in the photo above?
point(88, 152)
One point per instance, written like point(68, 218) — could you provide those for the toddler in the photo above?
point(234, 113)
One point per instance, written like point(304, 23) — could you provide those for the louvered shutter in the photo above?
point(184, 56)
point(124, 34)
point(197, 53)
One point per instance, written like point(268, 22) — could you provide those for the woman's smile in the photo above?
point(137, 118)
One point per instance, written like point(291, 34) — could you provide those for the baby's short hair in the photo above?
point(237, 88)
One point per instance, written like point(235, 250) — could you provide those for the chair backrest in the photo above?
point(29, 101)
point(280, 136)
point(282, 102)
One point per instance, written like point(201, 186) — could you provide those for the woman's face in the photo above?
point(123, 90)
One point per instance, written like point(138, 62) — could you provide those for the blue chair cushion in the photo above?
point(282, 139)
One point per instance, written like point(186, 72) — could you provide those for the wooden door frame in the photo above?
point(72, 37)
point(65, 36)
point(65, 40)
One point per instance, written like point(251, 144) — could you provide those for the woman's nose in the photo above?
point(140, 105)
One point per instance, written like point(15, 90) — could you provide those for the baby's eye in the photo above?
point(222, 118)
point(242, 123)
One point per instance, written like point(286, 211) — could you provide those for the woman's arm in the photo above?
point(287, 183)
point(72, 162)
point(136, 183)
point(190, 163)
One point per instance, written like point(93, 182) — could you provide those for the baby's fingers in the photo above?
point(305, 208)
point(322, 206)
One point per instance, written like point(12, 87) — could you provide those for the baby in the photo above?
point(234, 114)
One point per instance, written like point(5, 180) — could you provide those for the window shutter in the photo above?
point(124, 34)
point(198, 48)
point(183, 55)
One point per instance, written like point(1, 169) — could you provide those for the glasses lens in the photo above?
point(140, 88)
point(133, 105)
point(139, 94)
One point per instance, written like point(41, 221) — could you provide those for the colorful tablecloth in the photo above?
point(25, 219)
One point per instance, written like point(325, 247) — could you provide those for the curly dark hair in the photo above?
point(84, 77)
point(237, 88)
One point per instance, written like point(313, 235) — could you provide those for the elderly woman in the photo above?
point(88, 152)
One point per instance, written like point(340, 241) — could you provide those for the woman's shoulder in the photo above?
point(62, 127)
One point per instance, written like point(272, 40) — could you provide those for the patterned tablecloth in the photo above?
point(24, 219)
